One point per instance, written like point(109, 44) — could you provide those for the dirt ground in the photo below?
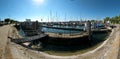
point(4, 47)
point(110, 49)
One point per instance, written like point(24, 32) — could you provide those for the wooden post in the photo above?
point(89, 30)
point(85, 28)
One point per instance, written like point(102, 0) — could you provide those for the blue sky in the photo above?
point(58, 10)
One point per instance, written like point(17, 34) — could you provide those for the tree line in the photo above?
point(114, 20)
point(9, 20)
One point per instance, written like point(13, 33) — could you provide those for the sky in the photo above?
point(58, 10)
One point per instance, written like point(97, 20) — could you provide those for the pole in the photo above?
point(89, 30)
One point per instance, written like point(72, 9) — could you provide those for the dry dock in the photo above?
point(9, 50)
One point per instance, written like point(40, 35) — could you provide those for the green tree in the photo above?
point(7, 20)
point(107, 19)
point(115, 19)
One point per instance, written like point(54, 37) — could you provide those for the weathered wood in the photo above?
point(89, 30)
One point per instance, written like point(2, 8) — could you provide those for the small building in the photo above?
point(31, 27)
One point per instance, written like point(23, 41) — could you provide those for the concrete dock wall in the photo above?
point(108, 50)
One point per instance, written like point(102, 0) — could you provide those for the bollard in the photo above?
point(89, 30)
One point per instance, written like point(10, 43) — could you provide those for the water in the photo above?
point(72, 50)
point(59, 31)
point(97, 38)
point(21, 32)
point(75, 50)
point(51, 30)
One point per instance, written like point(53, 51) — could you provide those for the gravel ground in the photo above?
point(4, 48)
